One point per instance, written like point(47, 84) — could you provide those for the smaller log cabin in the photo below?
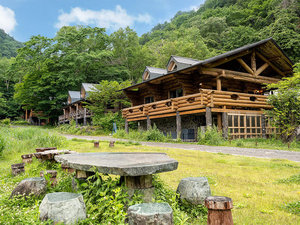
point(227, 91)
point(75, 109)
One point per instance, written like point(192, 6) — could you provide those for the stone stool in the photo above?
point(64, 207)
point(194, 189)
point(52, 175)
point(34, 185)
point(27, 158)
point(150, 214)
point(17, 168)
point(219, 210)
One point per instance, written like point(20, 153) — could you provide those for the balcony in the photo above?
point(196, 103)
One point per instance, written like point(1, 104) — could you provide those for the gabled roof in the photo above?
point(265, 47)
point(153, 72)
point(88, 86)
point(180, 62)
point(184, 60)
point(74, 95)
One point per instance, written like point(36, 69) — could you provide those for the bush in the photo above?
point(2, 144)
point(154, 134)
point(5, 122)
point(293, 207)
point(20, 122)
point(105, 121)
point(211, 136)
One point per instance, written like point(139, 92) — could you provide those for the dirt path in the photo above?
point(250, 152)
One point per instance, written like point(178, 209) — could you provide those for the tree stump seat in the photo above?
point(27, 158)
point(17, 168)
point(45, 149)
point(150, 214)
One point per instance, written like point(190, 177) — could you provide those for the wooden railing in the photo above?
point(195, 103)
point(72, 115)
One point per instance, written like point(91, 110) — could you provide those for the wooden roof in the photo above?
point(266, 49)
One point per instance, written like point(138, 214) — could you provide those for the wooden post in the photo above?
point(225, 125)
point(263, 126)
point(219, 210)
point(219, 118)
point(76, 117)
point(26, 115)
point(178, 125)
point(208, 117)
point(96, 144)
point(126, 126)
point(84, 117)
point(148, 123)
point(219, 85)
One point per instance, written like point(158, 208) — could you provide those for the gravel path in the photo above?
point(250, 152)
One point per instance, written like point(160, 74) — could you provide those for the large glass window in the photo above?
point(176, 93)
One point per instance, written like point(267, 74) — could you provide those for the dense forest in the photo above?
point(44, 69)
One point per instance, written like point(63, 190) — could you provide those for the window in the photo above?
point(176, 93)
point(149, 99)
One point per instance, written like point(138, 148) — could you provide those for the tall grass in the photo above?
point(25, 140)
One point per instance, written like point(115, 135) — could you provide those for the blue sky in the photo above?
point(25, 18)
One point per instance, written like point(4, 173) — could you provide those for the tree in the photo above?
point(2, 106)
point(107, 93)
point(286, 103)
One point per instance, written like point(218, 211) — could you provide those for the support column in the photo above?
point(148, 123)
point(219, 117)
point(126, 126)
point(208, 117)
point(178, 125)
point(225, 125)
point(142, 184)
point(263, 126)
point(84, 117)
point(76, 116)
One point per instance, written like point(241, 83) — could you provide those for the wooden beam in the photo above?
point(253, 61)
point(219, 84)
point(261, 69)
point(227, 59)
point(271, 64)
point(246, 67)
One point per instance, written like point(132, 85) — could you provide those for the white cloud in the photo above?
point(111, 19)
point(7, 19)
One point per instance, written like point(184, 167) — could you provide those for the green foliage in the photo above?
point(293, 207)
point(20, 122)
point(8, 45)
point(5, 122)
point(286, 105)
point(211, 137)
point(295, 179)
point(2, 144)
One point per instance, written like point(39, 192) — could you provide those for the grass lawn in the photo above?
point(253, 184)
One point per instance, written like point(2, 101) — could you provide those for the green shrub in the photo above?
point(211, 137)
point(5, 122)
point(154, 134)
point(295, 179)
point(105, 121)
point(2, 144)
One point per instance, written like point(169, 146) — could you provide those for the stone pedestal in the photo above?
point(142, 184)
point(63, 207)
point(219, 210)
point(67, 168)
point(17, 168)
point(150, 214)
point(35, 186)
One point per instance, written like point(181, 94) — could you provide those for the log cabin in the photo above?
point(75, 107)
point(227, 91)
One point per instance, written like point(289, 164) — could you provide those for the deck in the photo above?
point(218, 101)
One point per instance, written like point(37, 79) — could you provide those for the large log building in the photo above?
point(227, 91)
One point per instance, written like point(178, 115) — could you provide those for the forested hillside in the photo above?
point(222, 25)
point(8, 45)
point(46, 68)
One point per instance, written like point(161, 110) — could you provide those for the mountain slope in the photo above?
point(8, 45)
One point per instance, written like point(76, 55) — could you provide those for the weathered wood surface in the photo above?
point(219, 210)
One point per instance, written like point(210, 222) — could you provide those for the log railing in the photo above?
point(72, 115)
point(196, 103)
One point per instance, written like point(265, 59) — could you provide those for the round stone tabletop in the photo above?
point(121, 163)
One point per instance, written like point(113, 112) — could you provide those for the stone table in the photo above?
point(136, 168)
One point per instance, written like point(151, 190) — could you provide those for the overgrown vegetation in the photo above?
point(252, 184)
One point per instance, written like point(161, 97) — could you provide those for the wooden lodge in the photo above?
point(227, 91)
